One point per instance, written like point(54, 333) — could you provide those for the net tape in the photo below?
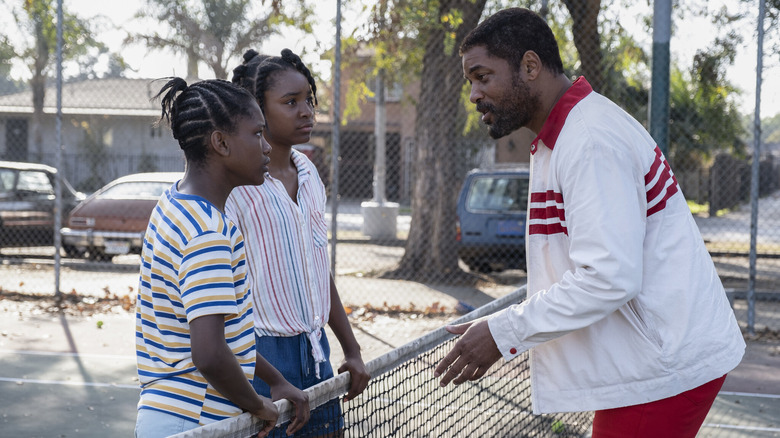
point(404, 399)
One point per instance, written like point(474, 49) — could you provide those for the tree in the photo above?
point(215, 32)
point(704, 117)
point(7, 54)
point(585, 29)
point(37, 20)
point(431, 251)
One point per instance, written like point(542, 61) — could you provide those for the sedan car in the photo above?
point(113, 220)
point(27, 203)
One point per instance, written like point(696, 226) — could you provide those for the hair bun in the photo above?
point(249, 54)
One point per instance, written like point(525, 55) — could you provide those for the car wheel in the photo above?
point(98, 255)
point(484, 268)
point(73, 251)
point(471, 264)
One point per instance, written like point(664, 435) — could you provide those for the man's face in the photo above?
point(501, 95)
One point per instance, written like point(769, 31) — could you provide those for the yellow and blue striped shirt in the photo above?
point(193, 264)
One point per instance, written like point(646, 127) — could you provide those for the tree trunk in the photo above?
point(38, 85)
point(585, 29)
point(431, 251)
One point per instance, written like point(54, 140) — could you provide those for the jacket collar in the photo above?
point(554, 123)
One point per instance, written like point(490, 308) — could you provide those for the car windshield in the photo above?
point(7, 177)
point(498, 193)
point(34, 181)
point(136, 189)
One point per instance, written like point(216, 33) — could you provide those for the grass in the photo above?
point(704, 209)
point(742, 247)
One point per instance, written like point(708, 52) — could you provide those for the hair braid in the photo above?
point(256, 72)
point(195, 111)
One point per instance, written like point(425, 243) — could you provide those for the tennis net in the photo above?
point(403, 399)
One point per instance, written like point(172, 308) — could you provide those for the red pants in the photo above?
point(680, 416)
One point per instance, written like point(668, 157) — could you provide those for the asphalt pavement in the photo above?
point(73, 374)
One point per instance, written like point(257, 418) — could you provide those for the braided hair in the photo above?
point(256, 72)
point(195, 111)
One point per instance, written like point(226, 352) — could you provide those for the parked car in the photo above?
point(113, 220)
point(27, 203)
point(491, 218)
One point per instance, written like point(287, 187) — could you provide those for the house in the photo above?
point(108, 130)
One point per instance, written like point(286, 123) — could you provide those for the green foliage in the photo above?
point(7, 55)
point(37, 20)
point(771, 129)
point(704, 116)
point(217, 32)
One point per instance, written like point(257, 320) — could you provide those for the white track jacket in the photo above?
point(625, 306)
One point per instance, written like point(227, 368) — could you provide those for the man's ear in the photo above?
point(531, 66)
point(218, 143)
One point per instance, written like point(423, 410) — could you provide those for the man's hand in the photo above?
point(298, 398)
point(358, 376)
point(471, 356)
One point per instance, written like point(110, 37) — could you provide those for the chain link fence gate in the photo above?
point(107, 132)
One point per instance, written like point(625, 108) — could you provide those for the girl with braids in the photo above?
point(285, 232)
point(194, 339)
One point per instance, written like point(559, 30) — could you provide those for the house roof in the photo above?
point(113, 96)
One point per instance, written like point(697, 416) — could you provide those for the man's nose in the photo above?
point(476, 95)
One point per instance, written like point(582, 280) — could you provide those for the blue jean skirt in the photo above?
point(292, 357)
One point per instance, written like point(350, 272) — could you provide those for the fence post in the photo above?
point(751, 293)
point(58, 159)
point(659, 87)
point(334, 158)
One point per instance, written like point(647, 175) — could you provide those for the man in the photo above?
point(626, 315)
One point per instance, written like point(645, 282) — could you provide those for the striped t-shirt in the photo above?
point(193, 264)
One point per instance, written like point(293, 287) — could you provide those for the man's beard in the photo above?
point(513, 111)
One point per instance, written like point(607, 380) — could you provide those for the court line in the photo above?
point(749, 394)
point(67, 383)
point(745, 428)
point(67, 354)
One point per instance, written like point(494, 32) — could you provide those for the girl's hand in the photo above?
point(359, 376)
point(269, 413)
point(298, 398)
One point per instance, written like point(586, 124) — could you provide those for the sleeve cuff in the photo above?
point(504, 335)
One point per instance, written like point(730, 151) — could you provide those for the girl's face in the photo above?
point(289, 109)
point(248, 149)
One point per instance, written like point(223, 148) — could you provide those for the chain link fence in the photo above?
point(406, 147)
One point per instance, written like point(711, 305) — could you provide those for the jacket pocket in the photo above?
point(644, 324)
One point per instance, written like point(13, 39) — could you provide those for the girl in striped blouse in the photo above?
point(283, 223)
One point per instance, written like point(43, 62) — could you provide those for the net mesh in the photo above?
point(403, 399)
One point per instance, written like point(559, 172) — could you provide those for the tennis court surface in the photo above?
point(62, 376)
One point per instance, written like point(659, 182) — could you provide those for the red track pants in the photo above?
point(680, 416)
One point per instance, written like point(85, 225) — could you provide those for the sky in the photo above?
point(694, 34)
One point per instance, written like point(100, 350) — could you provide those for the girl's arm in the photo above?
point(214, 359)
